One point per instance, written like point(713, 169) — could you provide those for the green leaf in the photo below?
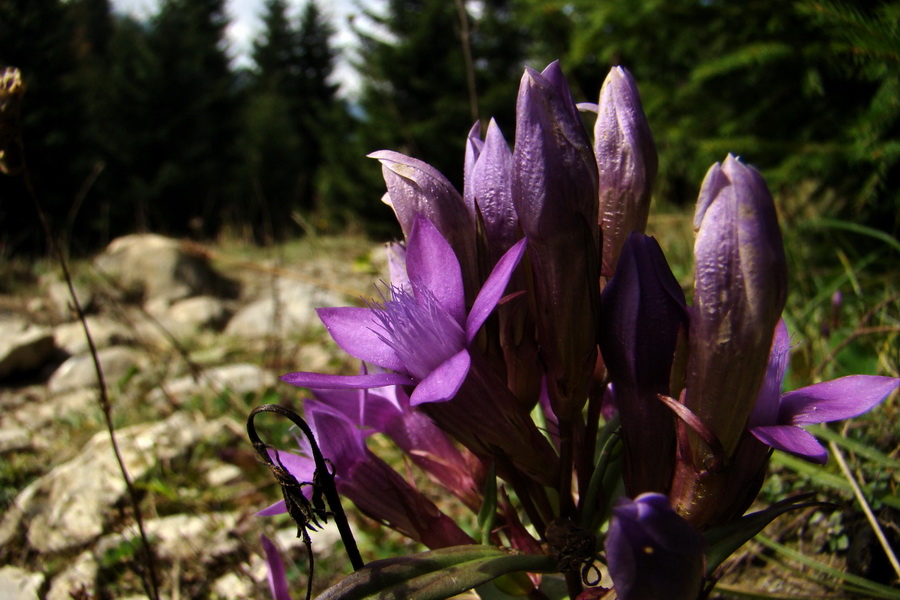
point(488, 510)
point(436, 574)
point(725, 539)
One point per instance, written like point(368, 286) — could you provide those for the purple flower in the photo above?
point(555, 195)
point(370, 483)
point(425, 338)
point(777, 419)
point(653, 553)
point(643, 311)
point(423, 335)
point(387, 410)
point(626, 161)
point(740, 289)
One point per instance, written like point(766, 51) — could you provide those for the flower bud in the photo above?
point(740, 288)
point(626, 161)
point(555, 195)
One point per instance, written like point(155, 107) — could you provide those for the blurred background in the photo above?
point(253, 117)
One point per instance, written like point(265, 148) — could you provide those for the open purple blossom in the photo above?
point(653, 553)
point(778, 419)
point(423, 335)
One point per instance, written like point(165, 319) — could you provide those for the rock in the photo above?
point(14, 438)
point(152, 267)
point(38, 413)
point(290, 311)
point(19, 584)
point(69, 506)
point(200, 312)
point(82, 573)
point(232, 586)
point(23, 347)
point(222, 474)
point(59, 301)
point(240, 379)
point(104, 331)
point(80, 372)
point(185, 538)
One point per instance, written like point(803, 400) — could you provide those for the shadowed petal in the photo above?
point(275, 570)
point(442, 383)
point(359, 333)
point(836, 399)
point(430, 262)
point(768, 400)
point(793, 440)
point(493, 289)
point(279, 508)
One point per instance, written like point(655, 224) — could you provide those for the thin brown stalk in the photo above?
point(149, 579)
point(466, 42)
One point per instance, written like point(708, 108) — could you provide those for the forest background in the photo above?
point(147, 125)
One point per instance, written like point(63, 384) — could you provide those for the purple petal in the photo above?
point(275, 567)
point(369, 408)
point(430, 262)
point(396, 253)
point(793, 440)
point(768, 400)
point(474, 144)
point(345, 382)
point(360, 334)
point(442, 383)
point(301, 467)
point(340, 440)
point(836, 399)
point(279, 508)
point(493, 289)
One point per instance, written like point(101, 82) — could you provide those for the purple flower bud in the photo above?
point(653, 553)
point(643, 311)
point(626, 161)
point(555, 195)
point(489, 187)
point(740, 288)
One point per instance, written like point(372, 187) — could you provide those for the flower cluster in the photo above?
point(534, 355)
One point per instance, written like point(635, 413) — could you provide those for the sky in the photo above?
point(246, 24)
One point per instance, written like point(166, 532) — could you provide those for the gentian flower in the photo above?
point(740, 276)
point(386, 410)
point(425, 338)
point(777, 419)
point(652, 553)
point(643, 312)
point(555, 195)
point(626, 162)
point(370, 483)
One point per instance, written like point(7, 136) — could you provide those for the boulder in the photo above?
point(19, 584)
point(104, 331)
point(23, 346)
point(239, 379)
point(69, 506)
point(80, 372)
point(153, 267)
point(288, 311)
point(81, 574)
point(200, 312)
point(186, 538)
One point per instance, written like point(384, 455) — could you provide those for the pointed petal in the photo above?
point(836, 399)
point(358, 332)
point(768, 400)
point(792, 440)
point(493, 289)
point(430, 262)
point(442, 383)
point(279, 508)
point(491, 190)
point(275, 567)
point(345, 382)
